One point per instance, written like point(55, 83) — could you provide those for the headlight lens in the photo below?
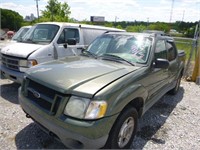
point(96, 109)
point(76, 107)
point(27, 63)
point(84, 108)
point(23, 63)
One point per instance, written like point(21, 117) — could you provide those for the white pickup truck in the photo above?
point(46, 42)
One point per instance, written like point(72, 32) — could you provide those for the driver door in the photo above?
point(70, 50)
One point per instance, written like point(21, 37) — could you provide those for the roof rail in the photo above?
point(108, 31)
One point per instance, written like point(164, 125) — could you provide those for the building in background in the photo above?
point(30, 18)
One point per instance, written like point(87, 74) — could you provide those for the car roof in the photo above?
point(146, 34)
point(82, 25)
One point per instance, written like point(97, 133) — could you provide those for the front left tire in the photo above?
point(123, 131)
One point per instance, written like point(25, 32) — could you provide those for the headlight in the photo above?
point(76, 107)
point(23, 63)
point(27, 63)
point(84, 108)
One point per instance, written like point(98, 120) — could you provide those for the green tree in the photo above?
point(10, 19)
point(159, 26)
point(108, 24)
point(136, 28)
point(190, 32)
point(56, 11)
point(119, 27)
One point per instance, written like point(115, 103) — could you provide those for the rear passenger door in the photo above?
point(172, 56)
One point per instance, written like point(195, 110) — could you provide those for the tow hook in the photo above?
point(28, 116)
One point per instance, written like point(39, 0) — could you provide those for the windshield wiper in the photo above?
point(27, 41)
point(85, 52)
point(106, 56)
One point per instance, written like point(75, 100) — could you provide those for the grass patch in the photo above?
point(186, 45)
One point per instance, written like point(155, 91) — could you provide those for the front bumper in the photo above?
point(11, 74)
point(74, 134)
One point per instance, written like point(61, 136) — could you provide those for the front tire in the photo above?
point(124, 130)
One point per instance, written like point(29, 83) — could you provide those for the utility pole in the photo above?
point(37, 8)
point(116, 18)
point(183, 15)
point(171, 13)
point(147, 22)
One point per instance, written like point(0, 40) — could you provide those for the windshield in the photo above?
point(19, 34)
point(132, 48)
point(41, 33)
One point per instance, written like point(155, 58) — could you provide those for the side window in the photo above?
point(89, 34)
point(67, 34)
point(161, 51)
point(40, 34)
point(171, 51)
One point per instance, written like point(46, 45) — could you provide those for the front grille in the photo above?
point(10, 62)
point(44, 97)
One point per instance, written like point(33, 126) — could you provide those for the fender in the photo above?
point(118, 101)
point(136, 91)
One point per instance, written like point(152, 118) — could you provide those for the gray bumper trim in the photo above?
point(11, 74)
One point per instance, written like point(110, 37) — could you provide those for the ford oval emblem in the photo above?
point(36, 94)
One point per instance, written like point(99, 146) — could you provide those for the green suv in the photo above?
point(94, 100)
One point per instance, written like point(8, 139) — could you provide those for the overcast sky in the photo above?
point(124, 10)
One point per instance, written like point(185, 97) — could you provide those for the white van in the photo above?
point(20, 33)
point(17, 36)
point(46, 42)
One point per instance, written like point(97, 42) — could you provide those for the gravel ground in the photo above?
point(172, 123)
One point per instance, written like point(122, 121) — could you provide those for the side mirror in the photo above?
point(161, 63)
point(70, 41)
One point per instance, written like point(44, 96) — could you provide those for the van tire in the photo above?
point(123, 131)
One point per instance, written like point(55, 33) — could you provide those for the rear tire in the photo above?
point(175, 90)
point(123, 131)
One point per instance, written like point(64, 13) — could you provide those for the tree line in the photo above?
point(60, 12)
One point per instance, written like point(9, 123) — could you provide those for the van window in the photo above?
point(161, 51)
point(20, 33)
point(90, 34)
point(41, 33)
point(67, 34)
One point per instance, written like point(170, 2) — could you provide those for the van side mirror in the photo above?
point(161, 63)
point(70, 41)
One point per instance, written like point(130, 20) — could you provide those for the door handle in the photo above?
point(81, 48)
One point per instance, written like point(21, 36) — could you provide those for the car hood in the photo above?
point(6, 43)
point(80, 75)
point(20, 49)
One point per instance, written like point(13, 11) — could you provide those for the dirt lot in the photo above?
point(172, 123)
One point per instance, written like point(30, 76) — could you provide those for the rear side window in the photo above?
point(161, 51)
point(67, 34)
point(171, 51)
point(90, 34)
